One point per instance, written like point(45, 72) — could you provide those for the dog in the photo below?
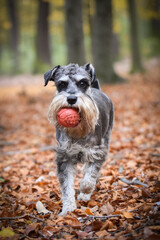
point(77, 87)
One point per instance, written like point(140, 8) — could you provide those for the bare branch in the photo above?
point(22, 216)
point(134, 181)
point(97, 217)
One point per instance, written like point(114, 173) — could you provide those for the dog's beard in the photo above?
point(88, 110)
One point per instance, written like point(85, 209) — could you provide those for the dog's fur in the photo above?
point(78, 87)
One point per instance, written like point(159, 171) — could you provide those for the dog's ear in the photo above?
point(94, 81)
point(49, 76)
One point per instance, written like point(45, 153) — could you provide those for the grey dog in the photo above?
point(88, 143)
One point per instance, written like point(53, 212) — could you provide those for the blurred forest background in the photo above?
point(118, 37)
point(38, 34)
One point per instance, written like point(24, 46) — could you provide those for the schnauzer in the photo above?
point(77, 87)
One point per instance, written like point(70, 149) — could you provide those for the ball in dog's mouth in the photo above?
point(68, 117)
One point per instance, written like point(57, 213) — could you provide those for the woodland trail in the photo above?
point(126, 202)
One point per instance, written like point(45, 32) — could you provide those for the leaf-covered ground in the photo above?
point(126, 202)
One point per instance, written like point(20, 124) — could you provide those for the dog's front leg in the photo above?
point(65, 171)
point(88, 183)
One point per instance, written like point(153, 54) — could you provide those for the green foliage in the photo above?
point(6, 233)
point(2, 180)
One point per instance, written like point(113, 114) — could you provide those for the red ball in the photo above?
point(68, 117)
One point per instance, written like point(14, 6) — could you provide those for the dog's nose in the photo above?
point(72, 100)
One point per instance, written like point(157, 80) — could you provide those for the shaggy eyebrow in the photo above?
point(80, 77)
point(63, 78)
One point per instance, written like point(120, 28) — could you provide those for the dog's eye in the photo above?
point(62, 86)
point(83, 84)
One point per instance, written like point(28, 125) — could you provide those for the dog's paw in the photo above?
point(68, 208)
point(84, 197)
point(63, 213)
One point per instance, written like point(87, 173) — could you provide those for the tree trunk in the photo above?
point(74, 32)
point(134, 38)
point(103, 40)
point(12, 11)
point(102, 36)
point(92, 23)
point(42, 41)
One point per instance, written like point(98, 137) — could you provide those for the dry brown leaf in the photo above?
point(146, 193)
point(107, 209)
point(80, 212)
point(107, 225)
point(128, 214)
point(102, 234)
point(157, 227)
point(72, 221)
point(88, 211)
point(131, 164)
point(48, 231)
point(96, 225)
point(115, 196)
point(33, 227)
point(82, 235)
point(149, 234)
point(92, 203)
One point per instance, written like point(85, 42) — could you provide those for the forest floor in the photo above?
point(126, 202)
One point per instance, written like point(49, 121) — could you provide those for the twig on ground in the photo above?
point(42, 235)
point(13, 218)
point(32, 216)
point(90, 217)
point(29, 151)
point(154, 154)
point(22, 216)
point(134, 181)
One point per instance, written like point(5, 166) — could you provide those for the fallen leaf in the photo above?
point(102, 234)
point(48, 231)
point(88, 211)
point(40, 179)
point(157, 227)
point(82, 235)
point(115, 196)
point(92, 203)
point(96, 225)
point(33, 227)
point(80, 212)
point(146, 193)
point(149, 234)
point(131, 164)
point(72, 221)
point(41, 208)
point(107, 225)
point(31, 205)
point(128, 214)
point(107, 209)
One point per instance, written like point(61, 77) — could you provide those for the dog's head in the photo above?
point(73, 84)
point(60, 73)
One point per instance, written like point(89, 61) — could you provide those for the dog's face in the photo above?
point(73, 84)
point(72, 81)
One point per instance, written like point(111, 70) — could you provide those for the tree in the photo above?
point(42, 39)
point(74, 32)
point(134, 37)
point(102, 36)
point(12, 12)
